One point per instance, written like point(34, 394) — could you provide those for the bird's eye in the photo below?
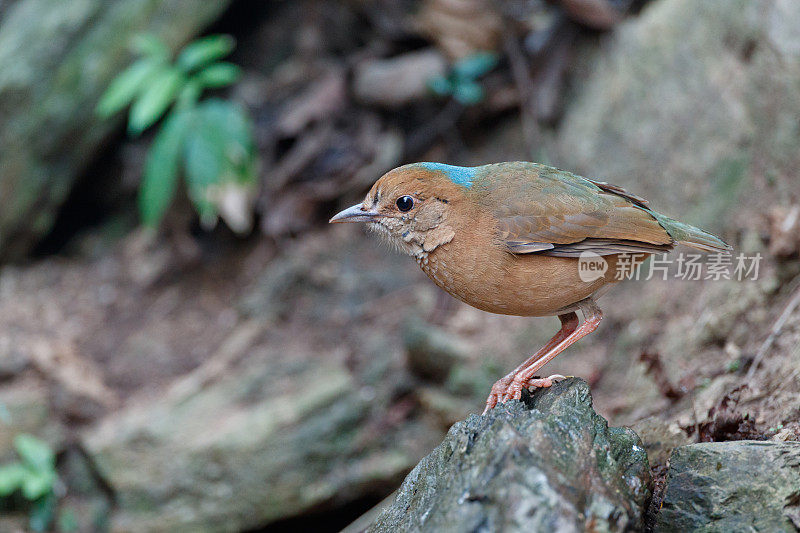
point(405, 203)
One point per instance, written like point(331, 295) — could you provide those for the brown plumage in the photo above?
point(507, 238)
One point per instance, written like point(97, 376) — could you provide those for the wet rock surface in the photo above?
point(547, 463)
point(733, 486)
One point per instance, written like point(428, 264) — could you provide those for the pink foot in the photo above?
point(498, 391)
point(514, 390)
point(510, 388)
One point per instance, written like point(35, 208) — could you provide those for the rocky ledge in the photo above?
point(733, 486)
point(546, 463)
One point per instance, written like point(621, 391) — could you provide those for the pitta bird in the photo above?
point(508, 238)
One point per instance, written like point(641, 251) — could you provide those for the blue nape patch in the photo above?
point(459, 175)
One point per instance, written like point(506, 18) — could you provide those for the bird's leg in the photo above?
point(569, 323)
point(592, 318)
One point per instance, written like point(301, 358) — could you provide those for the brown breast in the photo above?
point(480, 271)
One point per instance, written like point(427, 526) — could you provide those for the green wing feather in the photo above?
point(541, 209)
point(692, 236)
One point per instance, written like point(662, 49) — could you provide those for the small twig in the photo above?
point(548, 78)
point(308, 147)
point(231, 349)
point(776, 330)
point(595, 14)
point(522, 79)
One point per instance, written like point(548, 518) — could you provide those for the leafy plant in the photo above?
point(462, 81)
point(34, 477)
point(210, 142)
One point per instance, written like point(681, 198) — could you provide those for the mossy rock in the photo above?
point(548, 463)
point(732, 486)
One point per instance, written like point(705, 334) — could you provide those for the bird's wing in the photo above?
point(544, 210)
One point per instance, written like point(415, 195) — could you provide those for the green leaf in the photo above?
point(35, 453)
point(474, 66)
point(154, 100)
point(219, 150)
point(160, 178)
point(237, 127)
point(205, 152)
point(126, 86)
point(218, 75)
point(204, 160)
point(37, 483)
point(189, 95)
point(11, 477)
point(468, 93)
point(43, 512)
point(440, 86)
point(234, 130)
point(203, 51)
point(151, 46)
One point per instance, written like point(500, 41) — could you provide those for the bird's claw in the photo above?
point(505, 390)
point(498, 392)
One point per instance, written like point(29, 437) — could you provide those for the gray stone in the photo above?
point(266, 441)
point(548, 463)
point(732, 486)
point(56, 59)
point(689, 103)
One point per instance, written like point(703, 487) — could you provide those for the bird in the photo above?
point(511, 238)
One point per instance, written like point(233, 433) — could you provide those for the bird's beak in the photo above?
point(356, 213)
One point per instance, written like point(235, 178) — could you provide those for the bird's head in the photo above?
point(412, 206)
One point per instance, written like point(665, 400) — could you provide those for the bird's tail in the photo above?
point(692, 236)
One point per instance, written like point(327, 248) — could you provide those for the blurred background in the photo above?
point(186, 345)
